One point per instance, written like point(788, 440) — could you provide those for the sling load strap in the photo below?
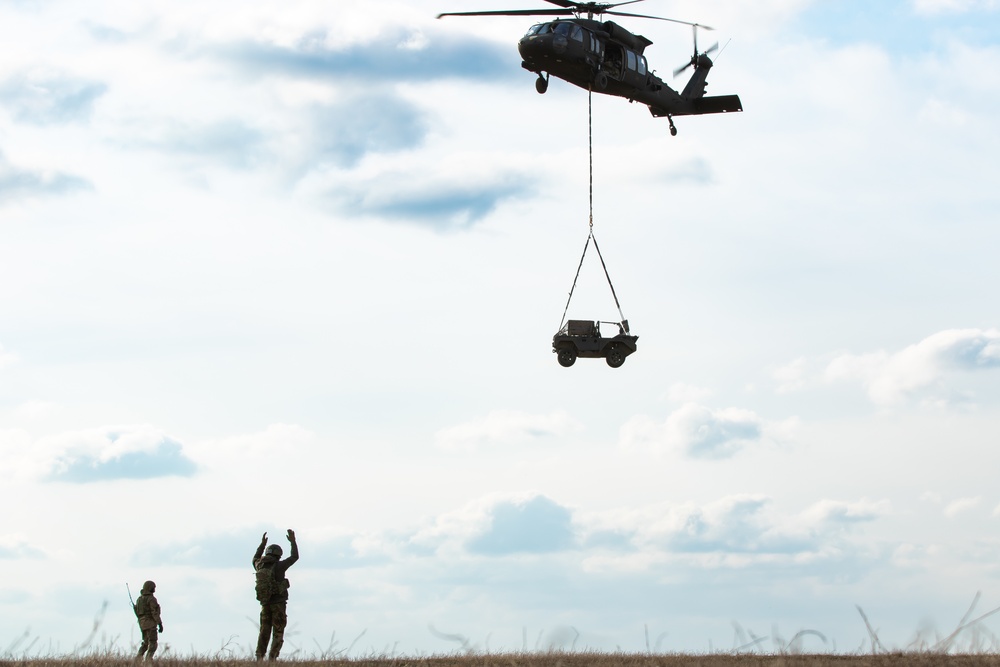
point(590, 147)
point(608, 276)
point(577, 277)
point(580, 266)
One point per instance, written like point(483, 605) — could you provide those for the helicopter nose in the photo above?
point(530, 48)
point(539, 47)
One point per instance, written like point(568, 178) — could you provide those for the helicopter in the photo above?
point(604, 57)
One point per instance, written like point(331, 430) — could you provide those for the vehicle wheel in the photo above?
point(541, 85)
point(601, 80)
point(566, 356)
point(615, 356)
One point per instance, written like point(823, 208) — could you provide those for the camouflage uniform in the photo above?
point(147, 610)
point(273, 614)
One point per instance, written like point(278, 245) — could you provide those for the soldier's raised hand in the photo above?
point(263, 539)
point(291, 535)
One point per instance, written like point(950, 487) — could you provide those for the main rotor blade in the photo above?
point(515, 12)
point(595, 7)
point(661, 18)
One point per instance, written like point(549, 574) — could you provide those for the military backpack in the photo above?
point(269, 586)
point(266, 587)
point(142, 606)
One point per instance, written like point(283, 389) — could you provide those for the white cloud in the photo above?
point(697, 431)
point(534, 526)
point(275, 442)
point(17, 183)
point(501, 524)
point(734, 531)
point(943, 112)
point(932, 497)
point(734, 523)
point(960, 506)
point(833, 512)
point(16, 546)
point(910, 555)
point(679, 392)
point(113, 452)
point(791, 377)
point(449, 531)
point(90, 455)
point(16, 453)
point(498, 525)
point(34, 410)
point(505, 427)
point(893, 378)
point(46, 97)
point(6, 358)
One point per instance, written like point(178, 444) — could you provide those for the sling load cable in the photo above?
point(590, 236)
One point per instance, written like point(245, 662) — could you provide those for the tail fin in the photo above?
point(695, 88)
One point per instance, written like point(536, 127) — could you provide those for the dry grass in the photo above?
point(970, 644)
point(563, 660)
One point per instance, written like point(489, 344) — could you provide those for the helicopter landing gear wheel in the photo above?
point(541, 84)
point(673, 128)
point(601, 80)
point(566, 356)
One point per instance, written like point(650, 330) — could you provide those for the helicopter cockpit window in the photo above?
point(631, 59)
point(563, 28)
point(642, 64)
point(538, 29)
point(576, 34)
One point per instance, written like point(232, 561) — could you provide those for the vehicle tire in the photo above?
point(615, 356)
point(566, 356)
point(541, 85)
point(601, 80)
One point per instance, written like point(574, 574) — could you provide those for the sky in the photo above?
point(297, 265)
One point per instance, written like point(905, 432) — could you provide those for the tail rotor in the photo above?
point(696, 58)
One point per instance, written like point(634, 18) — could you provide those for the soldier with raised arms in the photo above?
point(272, 593)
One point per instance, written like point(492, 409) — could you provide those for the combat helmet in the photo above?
point(149, 587)
point(273, 550)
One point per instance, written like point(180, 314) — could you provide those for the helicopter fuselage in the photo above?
point(604, 57)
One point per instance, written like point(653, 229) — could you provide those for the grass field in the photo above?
point(564, 660)
point(970, 644)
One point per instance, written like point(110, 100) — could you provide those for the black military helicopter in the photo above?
point(604, 57)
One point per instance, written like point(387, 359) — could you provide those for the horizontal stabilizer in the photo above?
point(718, 104)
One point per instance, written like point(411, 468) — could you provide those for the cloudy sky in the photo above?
point(270, 265)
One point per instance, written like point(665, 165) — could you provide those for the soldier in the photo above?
point(272, 593)
point(147, 610)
